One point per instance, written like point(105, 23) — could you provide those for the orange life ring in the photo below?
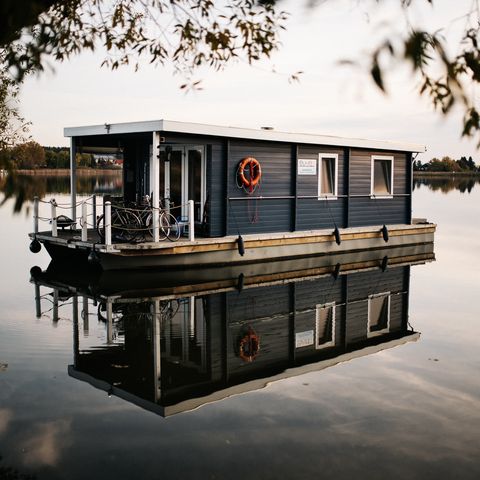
point(254, 169)
point(249, 346)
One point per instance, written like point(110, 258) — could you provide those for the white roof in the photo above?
point(236, 132)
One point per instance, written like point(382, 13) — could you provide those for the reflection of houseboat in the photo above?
point(243, 195)
point(173, 348)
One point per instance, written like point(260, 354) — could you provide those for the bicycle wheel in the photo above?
point(126, 226)
point(163, 228)
point(101, 227)
point(174, 229)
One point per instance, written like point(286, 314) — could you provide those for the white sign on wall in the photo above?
point(304, 339)
point(307, 166)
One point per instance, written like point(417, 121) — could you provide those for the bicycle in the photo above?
point(125, 224)
point(131, 224)
point(168, 226)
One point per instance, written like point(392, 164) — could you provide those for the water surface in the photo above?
point(406, 411)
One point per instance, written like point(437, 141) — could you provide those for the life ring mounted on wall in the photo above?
point(249, 346)
point(249, 173)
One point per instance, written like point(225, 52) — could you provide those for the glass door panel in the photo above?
point(176, 190)
point(194, 157)
point(182, 172)
point(163, 156)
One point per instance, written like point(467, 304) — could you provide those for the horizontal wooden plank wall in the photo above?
point(216, 190)
point(250, 215)
point(267, 311)
point(363, 284)
point(285, 203)
point(366, 211)
point(288, 205)
point(313, 213)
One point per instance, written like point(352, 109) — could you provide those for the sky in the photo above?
point(330, 98)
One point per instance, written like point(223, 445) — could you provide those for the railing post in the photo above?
point(85, 317)
point(94, 211)
point(54, 218)
point(84, 222)
point(35, 215)
point(108, 223)
point(156, 224)
point(191, 221)
point(55, 306)
point(38, 305)
point(109, 321)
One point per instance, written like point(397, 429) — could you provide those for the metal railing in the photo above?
point(159, 220)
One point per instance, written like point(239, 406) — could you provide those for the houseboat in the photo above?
point(201, 195)
point(169, 346)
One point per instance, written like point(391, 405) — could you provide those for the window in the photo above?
point(325, 326)
point(378, 314)
point(382, 176)
point(327, 176)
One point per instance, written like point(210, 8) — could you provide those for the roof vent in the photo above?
point(266, 128)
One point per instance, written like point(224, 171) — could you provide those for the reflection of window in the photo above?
point(382, 176)
point(325, 326)
point(378, 314)
point(327, 176)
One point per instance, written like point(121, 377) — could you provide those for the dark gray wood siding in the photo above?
point(360, 286)
point(313, 213)
point(364, 210)
point(216, 190)
point(250, 214)
point(276, 313)
point(288, 200)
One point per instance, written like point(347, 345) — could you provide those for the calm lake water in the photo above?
point(79, 398)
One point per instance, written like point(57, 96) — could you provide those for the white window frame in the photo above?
point(322, 196)
point(319, 307)
point(372, 169)
point(387, 328)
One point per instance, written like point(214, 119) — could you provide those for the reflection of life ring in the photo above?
point(252, 165)
point(249, 346)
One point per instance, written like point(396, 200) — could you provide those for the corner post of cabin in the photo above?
point(73, 178)
point(347, 154)
point(406, 294)
point(227, 193)
point(410, 160)
point(76, 337)
point(38, 304)
point(157, 354)
point(345, 300)
point(292, 294)
point(85, 316)
point(55, 306)
point(155, 183)
point(294, 188)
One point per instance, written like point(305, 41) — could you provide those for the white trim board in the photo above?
point(237, 132)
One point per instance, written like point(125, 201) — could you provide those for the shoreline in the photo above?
point(445, 174)
point(65, 172)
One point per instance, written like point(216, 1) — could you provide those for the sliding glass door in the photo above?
point(182, 178)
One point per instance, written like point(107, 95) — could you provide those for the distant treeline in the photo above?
point(31, 155)
point(447, 164)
